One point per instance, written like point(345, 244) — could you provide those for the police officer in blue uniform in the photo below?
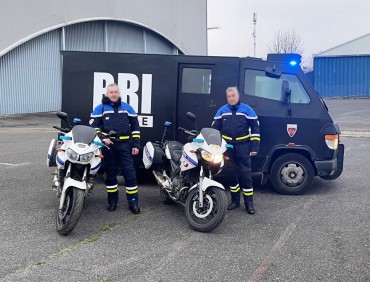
point(239, 126)
point(113, 114)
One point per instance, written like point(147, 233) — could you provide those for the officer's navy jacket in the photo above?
point(238, 123)
point(120, 117)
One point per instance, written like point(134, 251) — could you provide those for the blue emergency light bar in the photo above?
point(292, 59)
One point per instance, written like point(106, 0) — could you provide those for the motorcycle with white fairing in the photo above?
point(184, 174)
point(77, 158)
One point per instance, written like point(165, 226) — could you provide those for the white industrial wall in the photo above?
point(30, 74)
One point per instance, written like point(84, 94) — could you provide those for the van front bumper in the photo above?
point(331, 169)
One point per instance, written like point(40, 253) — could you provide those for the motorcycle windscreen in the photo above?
point(211, 136)
point(83, 134)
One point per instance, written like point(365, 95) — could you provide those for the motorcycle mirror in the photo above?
point(191, 116)
point(112, 133)
point(62, 116)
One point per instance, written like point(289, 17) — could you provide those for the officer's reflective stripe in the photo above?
point(131, 188)
point(234, 190)
point(124, 137)
point(248, 117)
point(255, 135)
point(255, 139)
point(94, 116)
point(131, 192)
point(242, 137)
point(108, 112)
point(224, 114)
point(136, 136)
point(135, 132)
point(226, 137)
point(248, 192)
point(126, 112)
point(112, 190)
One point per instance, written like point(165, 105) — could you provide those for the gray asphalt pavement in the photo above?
point(321, 236)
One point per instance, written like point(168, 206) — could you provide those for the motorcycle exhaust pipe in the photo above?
point(160, 179)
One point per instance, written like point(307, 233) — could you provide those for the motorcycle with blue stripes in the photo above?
point(184, 174)
point(77, 158)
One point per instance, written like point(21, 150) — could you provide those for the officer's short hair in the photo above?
point(232, 88)
point(111, 85)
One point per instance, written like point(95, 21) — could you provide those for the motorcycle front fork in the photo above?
point(201, 192)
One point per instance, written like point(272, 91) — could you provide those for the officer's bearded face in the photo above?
point(113, 93)
point(232, 98)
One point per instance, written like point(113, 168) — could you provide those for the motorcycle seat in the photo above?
point(175, 149)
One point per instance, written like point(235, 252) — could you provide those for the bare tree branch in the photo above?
point(284, 42)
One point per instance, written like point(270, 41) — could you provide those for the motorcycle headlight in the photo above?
point(207, 156)
point(211, 157)
point(218, 158)
point(72, 155)
point(87, 157)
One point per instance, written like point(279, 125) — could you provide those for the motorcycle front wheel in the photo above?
point(208, 217)
point(68, 217)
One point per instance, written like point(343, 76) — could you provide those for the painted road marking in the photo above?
point(360, 134)
point(9, 165)
point(269, 259)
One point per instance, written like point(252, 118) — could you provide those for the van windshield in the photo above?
point(256, 83)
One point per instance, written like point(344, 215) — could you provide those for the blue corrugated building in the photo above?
point(344, 70)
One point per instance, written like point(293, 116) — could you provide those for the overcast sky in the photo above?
point(322, 24)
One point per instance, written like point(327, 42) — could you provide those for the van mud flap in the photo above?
point(340, 162)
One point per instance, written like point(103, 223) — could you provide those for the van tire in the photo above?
point(292, 174)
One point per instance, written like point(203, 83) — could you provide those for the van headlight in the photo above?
point(332, 141)
point(72, 155)
point(86, 157)
point(212, 158)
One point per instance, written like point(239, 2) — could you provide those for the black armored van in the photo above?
point(299, 139)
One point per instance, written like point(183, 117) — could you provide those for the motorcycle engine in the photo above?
point(176, 185)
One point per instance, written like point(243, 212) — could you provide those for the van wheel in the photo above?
point(292, 174)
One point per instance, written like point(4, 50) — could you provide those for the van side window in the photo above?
point(256, 83)
point(196, 80)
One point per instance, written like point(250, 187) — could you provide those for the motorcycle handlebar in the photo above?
point(190, 132)
point(65, 130)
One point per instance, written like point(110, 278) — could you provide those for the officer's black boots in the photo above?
point(248, 201)
point(112, 207)
point(112, 201)
point(233, 206)
point(235, 201)
point(133, 203)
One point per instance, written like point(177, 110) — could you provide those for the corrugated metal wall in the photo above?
point(342, 76)
point(30, 75)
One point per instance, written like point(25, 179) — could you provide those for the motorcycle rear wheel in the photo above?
point(213, 212)
point(68, 217)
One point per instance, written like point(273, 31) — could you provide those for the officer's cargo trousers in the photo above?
point(239, 172)
point(119, 157)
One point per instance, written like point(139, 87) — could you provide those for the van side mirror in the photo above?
point(62, 116)
point(272, 72)
point(286, 94)
point(285, 91)
point(191, 116)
